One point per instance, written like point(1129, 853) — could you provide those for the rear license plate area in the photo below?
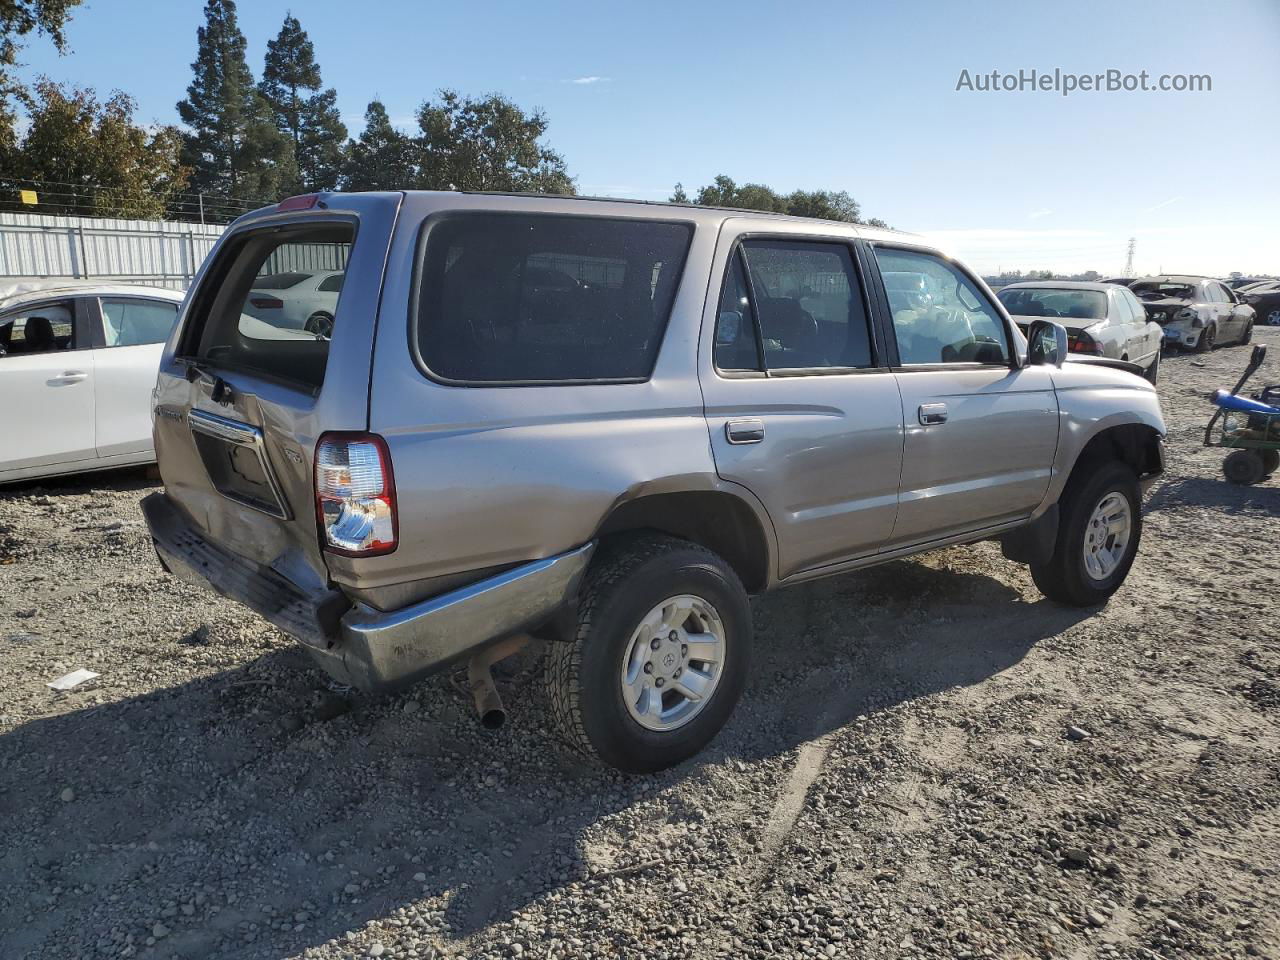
point(234, 455)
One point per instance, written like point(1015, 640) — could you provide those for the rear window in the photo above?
point(259, 309)
point(512, 299)
point(1055, 302)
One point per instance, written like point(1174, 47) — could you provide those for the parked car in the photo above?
point(296, 301)
point(1264, 298)
point(721, 403)
point(78, 362)
point(1101, 319)
point(1196, 312)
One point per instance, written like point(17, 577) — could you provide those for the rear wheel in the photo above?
point(321, 324)
point(1244, 467)
point(659, 657)
point(1207, 337)
point(1152, 373)
point(1099, 528)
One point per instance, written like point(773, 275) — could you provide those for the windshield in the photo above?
point(1055, 302)
point(1158, 291)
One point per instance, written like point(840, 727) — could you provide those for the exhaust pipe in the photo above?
point(480, 678)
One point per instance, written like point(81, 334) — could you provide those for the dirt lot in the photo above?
point(931, 761)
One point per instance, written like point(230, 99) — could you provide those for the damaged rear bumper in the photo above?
point(372, 650)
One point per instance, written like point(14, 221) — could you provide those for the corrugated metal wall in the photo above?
point(155, 252)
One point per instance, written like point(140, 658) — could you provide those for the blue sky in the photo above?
point(853, 96)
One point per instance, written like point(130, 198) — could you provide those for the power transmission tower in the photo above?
point(1128, 263)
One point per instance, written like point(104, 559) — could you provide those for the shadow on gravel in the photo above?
point(200, 808)
point(121, 480)
point(1218, 493)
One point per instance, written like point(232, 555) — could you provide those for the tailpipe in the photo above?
point(488, 702)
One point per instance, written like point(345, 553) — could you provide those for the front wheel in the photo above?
point(1207, 338)
point(1099, 528)
point(1247, 336)
point(659, 657)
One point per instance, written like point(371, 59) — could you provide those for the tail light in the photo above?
point(1083, 343)
point(266, 303)
point(355, 494)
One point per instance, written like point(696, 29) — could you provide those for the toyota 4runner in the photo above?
point(607, 424)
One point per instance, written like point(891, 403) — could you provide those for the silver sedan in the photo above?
point(1102, 319)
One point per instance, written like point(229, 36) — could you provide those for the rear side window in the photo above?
point(260, 309)
point(516, 299)
point(129, 322)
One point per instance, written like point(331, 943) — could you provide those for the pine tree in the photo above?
point(301, 109)
point(382, 159)
point(231, 145)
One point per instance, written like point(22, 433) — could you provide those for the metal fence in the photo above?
point(155, 252)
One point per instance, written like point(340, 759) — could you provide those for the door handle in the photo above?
point(932, 413)
point(749, 430)
point(68, 377)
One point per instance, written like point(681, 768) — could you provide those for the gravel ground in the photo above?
point(931, 761)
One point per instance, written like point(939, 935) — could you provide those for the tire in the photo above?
point(1152, 373)
point(1244, 467)
point(1066, 577)
point(587, 672)
point(1270, 460)
point(1207, 338)
point(1273, 318)
point(1247, 336)
point(319, 323)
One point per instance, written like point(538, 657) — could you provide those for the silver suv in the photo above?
point(606, 425)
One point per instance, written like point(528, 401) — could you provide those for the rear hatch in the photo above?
point(245, 391)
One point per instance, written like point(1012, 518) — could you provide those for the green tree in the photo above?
point(821, 204)
point(382, 158)
point(18, 19)
point(232, 145)
point(97, 161)
point(301, 109)
point(486, 144)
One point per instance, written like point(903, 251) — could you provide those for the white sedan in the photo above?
point(77, 366)
point(296, 301)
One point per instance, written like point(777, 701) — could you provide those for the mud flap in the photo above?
point(1033, 542)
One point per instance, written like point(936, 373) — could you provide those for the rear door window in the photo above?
point(809, 305)
point(524, 299)
point(128, 322)
point(259, 309)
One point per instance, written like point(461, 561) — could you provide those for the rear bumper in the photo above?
point(369, 649)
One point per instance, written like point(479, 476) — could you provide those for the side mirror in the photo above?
point(1046, 343)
